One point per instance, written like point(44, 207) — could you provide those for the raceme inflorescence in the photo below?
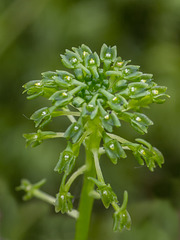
point(96, 95)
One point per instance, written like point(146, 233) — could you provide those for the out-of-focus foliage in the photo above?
point(32, 35)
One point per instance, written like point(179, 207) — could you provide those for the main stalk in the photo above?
point(86, 201)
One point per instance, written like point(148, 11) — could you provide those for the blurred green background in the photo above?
point(32, 35)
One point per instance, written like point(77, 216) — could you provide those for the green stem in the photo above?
point(61, 113)
point(115, 206)
point(80, 171)
point(71, 117)
point(44, 196)
point(86, 201)
point(62, 186)
point(125, 201)
point(120, 139)
point(97, 166)
point(57, 135)
point(124, 204)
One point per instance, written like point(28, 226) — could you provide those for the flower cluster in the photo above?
point(103, 90)
point(105, 86)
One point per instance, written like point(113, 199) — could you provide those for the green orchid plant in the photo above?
point(98, 93)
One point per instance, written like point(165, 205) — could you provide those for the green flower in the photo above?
point(66, 160)
point(35, 139)
point(42, 116)
point(63, 202)
point(74, 132)
point(145, 152)
point(113, 149)
point(122, 220)
point(106, 193)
